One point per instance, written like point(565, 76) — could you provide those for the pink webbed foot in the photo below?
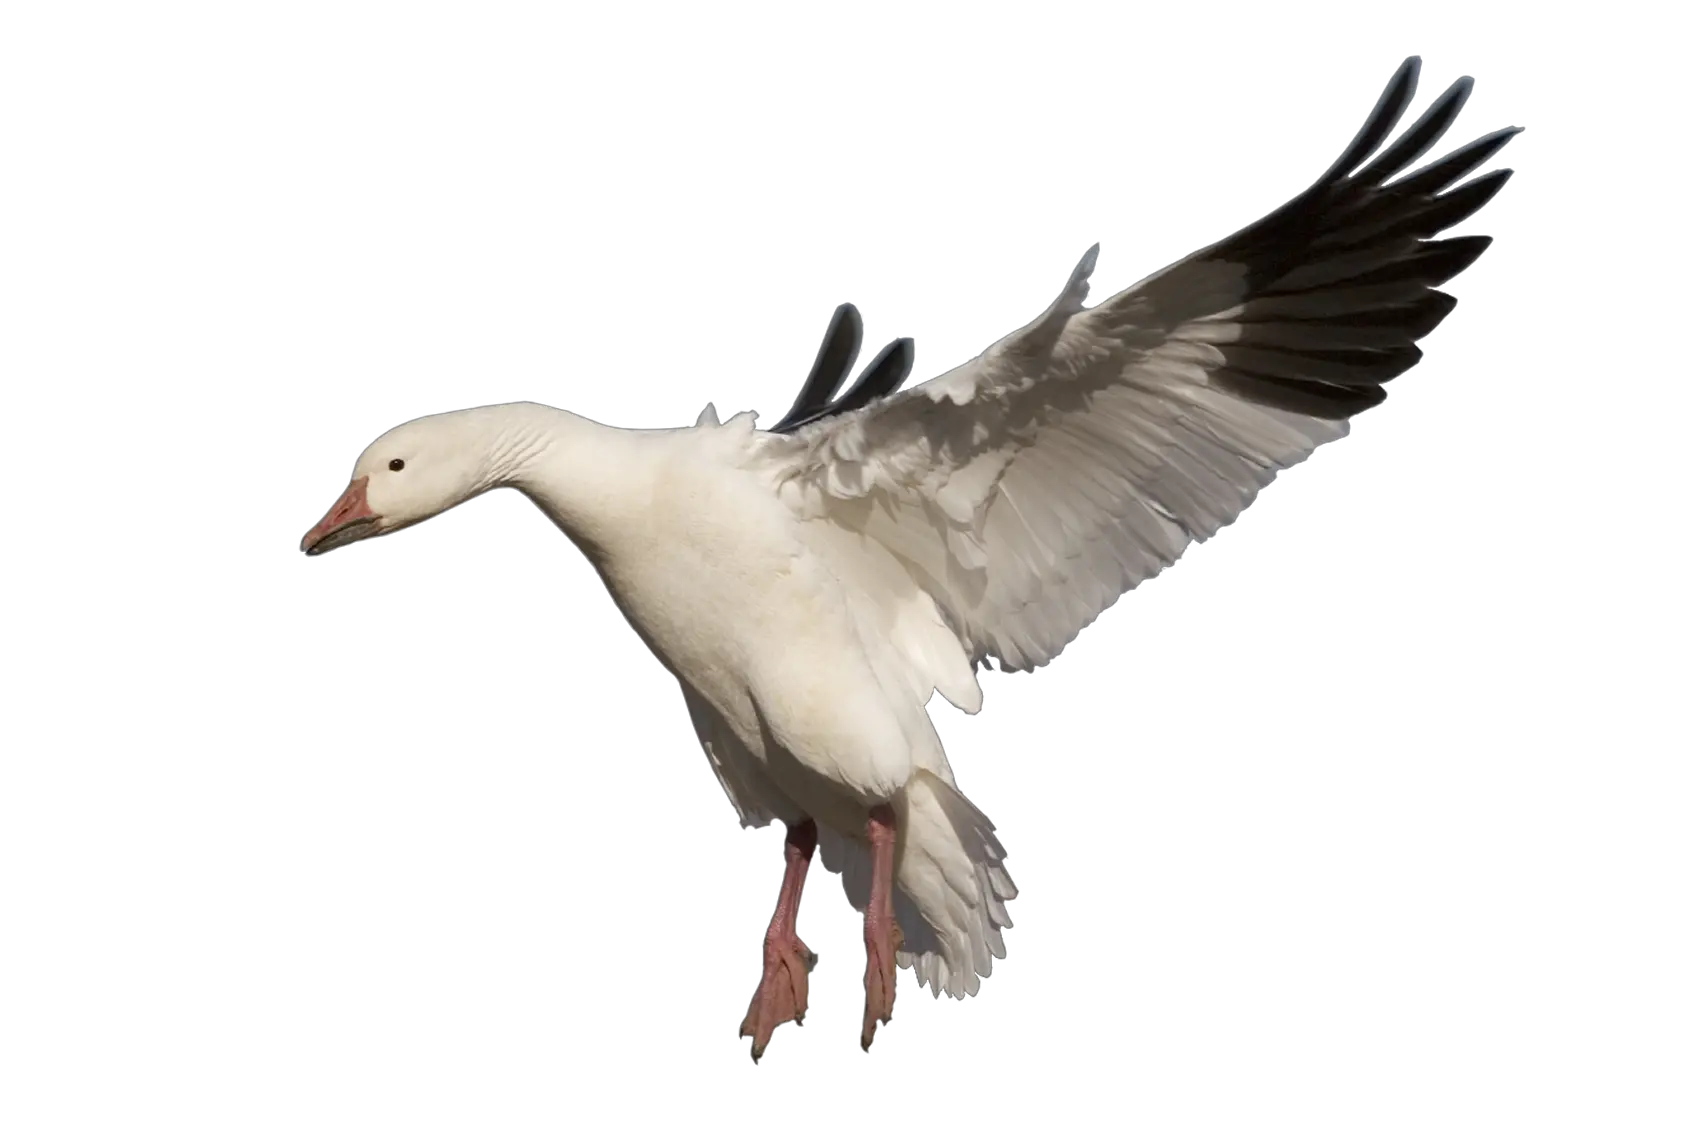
point(881, 935)
point(784, 991)
point(783, 994)
point(881, 975)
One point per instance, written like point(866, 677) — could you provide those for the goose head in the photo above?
point(408, 474)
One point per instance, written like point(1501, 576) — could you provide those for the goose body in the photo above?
point(813, 586)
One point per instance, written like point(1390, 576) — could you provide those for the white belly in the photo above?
point(740, 611)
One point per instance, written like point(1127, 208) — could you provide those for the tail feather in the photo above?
point(952, 886)
point(950, 890)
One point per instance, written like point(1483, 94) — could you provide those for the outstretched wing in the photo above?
point(1026, 490)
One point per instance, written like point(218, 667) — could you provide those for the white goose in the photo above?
point(813, 586)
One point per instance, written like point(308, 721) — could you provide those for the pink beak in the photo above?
point(351, 512)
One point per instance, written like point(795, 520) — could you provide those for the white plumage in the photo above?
point(812, 587)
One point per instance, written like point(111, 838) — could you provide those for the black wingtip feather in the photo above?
point(1420, 136)
point(1339, 282)
point(1391, 105)
point(1446, 257)
point(890, 368)
point(1443, 171)
point(834, 359)
point(1464, 201)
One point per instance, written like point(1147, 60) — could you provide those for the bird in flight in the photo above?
point(813, 585)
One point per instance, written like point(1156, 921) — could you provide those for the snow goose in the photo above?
point(811, 587)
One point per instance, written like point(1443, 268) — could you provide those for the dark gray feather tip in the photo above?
point(890, 368)
point(834, 359)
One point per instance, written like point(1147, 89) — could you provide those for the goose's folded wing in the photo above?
point(816, 399)
point(1027, 489)
point(833, 364)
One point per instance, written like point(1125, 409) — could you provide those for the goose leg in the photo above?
point(881, 936)
point(784, 990)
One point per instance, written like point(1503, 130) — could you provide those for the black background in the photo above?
point(1264, 814)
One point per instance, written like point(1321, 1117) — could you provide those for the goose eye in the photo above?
point(395, 465)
